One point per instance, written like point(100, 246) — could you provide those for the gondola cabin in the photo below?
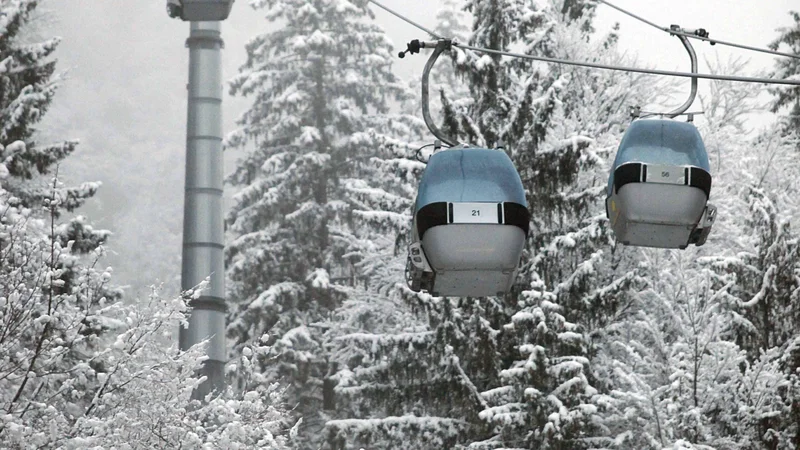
point(659, 186)
point(470, 224)
point(199, 10)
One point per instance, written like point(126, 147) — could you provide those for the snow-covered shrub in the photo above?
point(81, 370)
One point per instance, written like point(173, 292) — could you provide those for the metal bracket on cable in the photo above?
point(413, 47)
point(699, 32)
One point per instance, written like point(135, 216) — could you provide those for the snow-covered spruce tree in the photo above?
point(788, 97)
point(407, 391)
point(415, 382)
point(375, 319)
point(393, 393)
point(63, 385)
point(460, 384)
point(321, 85)
point(27, 85)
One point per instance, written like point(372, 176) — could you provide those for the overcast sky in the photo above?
point(125, 96)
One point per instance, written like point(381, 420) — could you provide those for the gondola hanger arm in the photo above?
point(439, 46)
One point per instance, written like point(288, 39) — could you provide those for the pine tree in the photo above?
point(27, 85)
point(321, 86)
point(425, 385)
point(400, 389)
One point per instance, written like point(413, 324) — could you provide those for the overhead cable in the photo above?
point(401, 17)
point(639, 18)
point(707, 76)
point(596, 65)
point(696, 36)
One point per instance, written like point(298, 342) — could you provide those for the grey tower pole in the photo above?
point(203, 234)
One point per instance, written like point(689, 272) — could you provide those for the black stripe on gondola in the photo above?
point(435, 214)
point(430, 216)
point(450, 213)
point(701, 180)
point(635, 172)
point(627, 173)
point(517, 215)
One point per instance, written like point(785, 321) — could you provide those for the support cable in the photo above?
point(639, 18)
point(703, 36)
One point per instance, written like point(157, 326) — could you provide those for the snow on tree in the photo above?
point(560, 126)
point(452, 22)
point(680, 379)
point(687, 362)
point(319, 130)
point(730, 143)
point(788, 97)
point(82, 370)
point(764, 302)
point(689, 366)
point(375, 317)
point(422, 383)
point(461, 382)
point(27, 85)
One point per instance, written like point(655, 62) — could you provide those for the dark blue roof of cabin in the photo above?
point(661, 141)
point(470, 175)
point(666, 142)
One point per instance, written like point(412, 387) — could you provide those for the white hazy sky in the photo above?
point(125, 96)
point(742, 21)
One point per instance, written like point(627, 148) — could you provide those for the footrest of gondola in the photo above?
point(417, 257)
point(419, 274)
point(700, 234)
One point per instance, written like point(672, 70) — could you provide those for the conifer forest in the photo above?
point(595, 345)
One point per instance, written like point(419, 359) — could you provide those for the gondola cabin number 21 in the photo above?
point(474, 213)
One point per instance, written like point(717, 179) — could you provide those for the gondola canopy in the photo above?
point(659, 186)
point(470, 224)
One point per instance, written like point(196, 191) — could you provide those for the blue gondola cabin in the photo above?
point(659, 186)
point(470, 225)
